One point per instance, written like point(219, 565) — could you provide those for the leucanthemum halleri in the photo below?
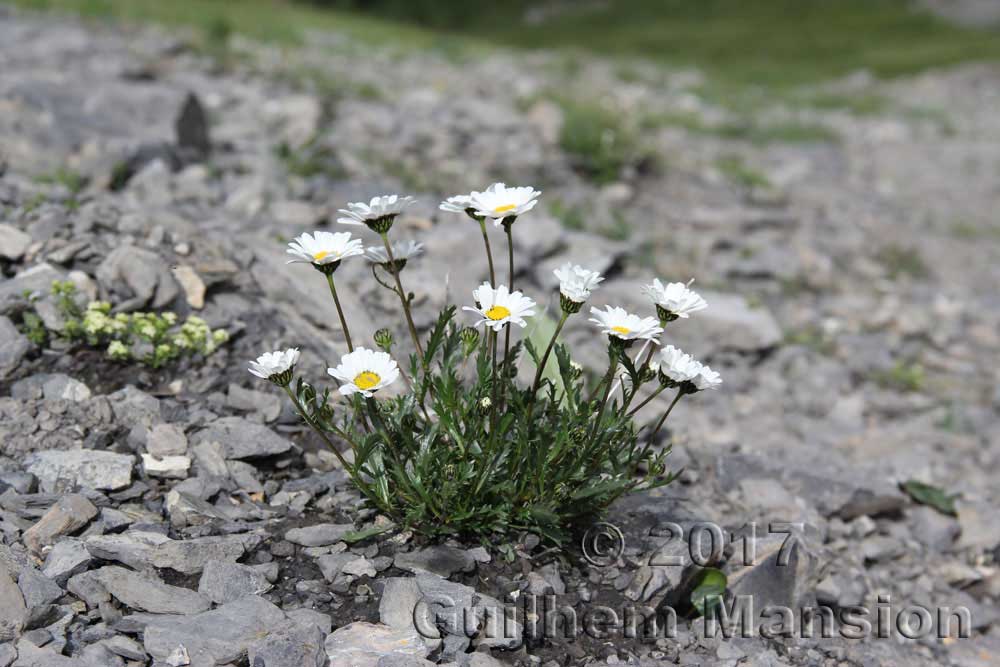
point(575, 285)
point(323, 248)
point(619, 323)
point(276, 366)
point(500, 202)
point(457, 204)
point(674, 366)
point(498, 307)
point(364, 372)
point(706, 378)
point(378, 214)
point(401, 252)
point(674, 300)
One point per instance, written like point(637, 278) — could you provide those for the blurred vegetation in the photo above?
point(764, 42)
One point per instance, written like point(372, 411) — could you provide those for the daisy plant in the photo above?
point(439, 434)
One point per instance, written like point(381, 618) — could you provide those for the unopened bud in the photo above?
point(383, 338)
point(470, 338)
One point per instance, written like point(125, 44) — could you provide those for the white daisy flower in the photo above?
point(322, 248)
point(617, 322)
point(673, 300)
point(500, 306)
point(575, 285)
point(457, 204)
point(706, 378)
point(276, 366)
point(378, 214)
point(365, 371)
point(499, 202)
point(401, 251)
point(674, 366)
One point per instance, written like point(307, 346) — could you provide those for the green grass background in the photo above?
point(760, 42)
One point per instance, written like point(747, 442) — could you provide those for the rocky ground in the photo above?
point(182, 515)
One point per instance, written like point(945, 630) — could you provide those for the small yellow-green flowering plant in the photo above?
point(453, 443)
point(154, 339)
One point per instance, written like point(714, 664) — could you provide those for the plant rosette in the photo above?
point(446, 441)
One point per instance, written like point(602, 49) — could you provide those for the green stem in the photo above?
point(405, 301)
point(319, 431)
point(659, 424)
point(489, 253)
point(493, 388)
point(607, 392)
point(510, 287)
point(545, 357)
point(340, 312)
point(648, 399)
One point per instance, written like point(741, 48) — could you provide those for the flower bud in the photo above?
point(383, 338)
point(485, 404)
point(470, 339)
point(569, 306)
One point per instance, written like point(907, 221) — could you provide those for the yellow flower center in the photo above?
point(622, 330)
point(367, 380)
point(497, 313)
point(504, 209)
point(318, 257)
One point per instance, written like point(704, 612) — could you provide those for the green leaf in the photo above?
point(925, 494)
point(708, 591)
point(364, 534)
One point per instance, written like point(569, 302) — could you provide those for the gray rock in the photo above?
point(362, 644)
point(134, 406)
point(147, 593)
point(12, 608)
point(67, 558)
point(29, 655)
point(306, 617)
point(439, 559)
point(331, 565)
point(13, 242)
point(214, 637)
point(779, 575)
point(147, 276)
point(242, 439)
point(301, 646)
point(37, 589)
point(8, 654)
point(935, 530)
point(400, 660)
point(142, 550)
point(191, 128)
point(125, 647)
point(37, 279)
point(166, 440)
point(266, 404)
point(225, 581)
point(74, 468)
point(170, 467)
point(114, 520)
point(441, 609)
point(68, 515)
point(13, 346)
point(980, 525)
point(319, 535)
point(59, 387)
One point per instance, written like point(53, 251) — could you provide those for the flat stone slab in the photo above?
point(320, 535)
point(362, 644)
point(90, 468)
point(214, 637)
point(243, 439)
point(145, 592)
